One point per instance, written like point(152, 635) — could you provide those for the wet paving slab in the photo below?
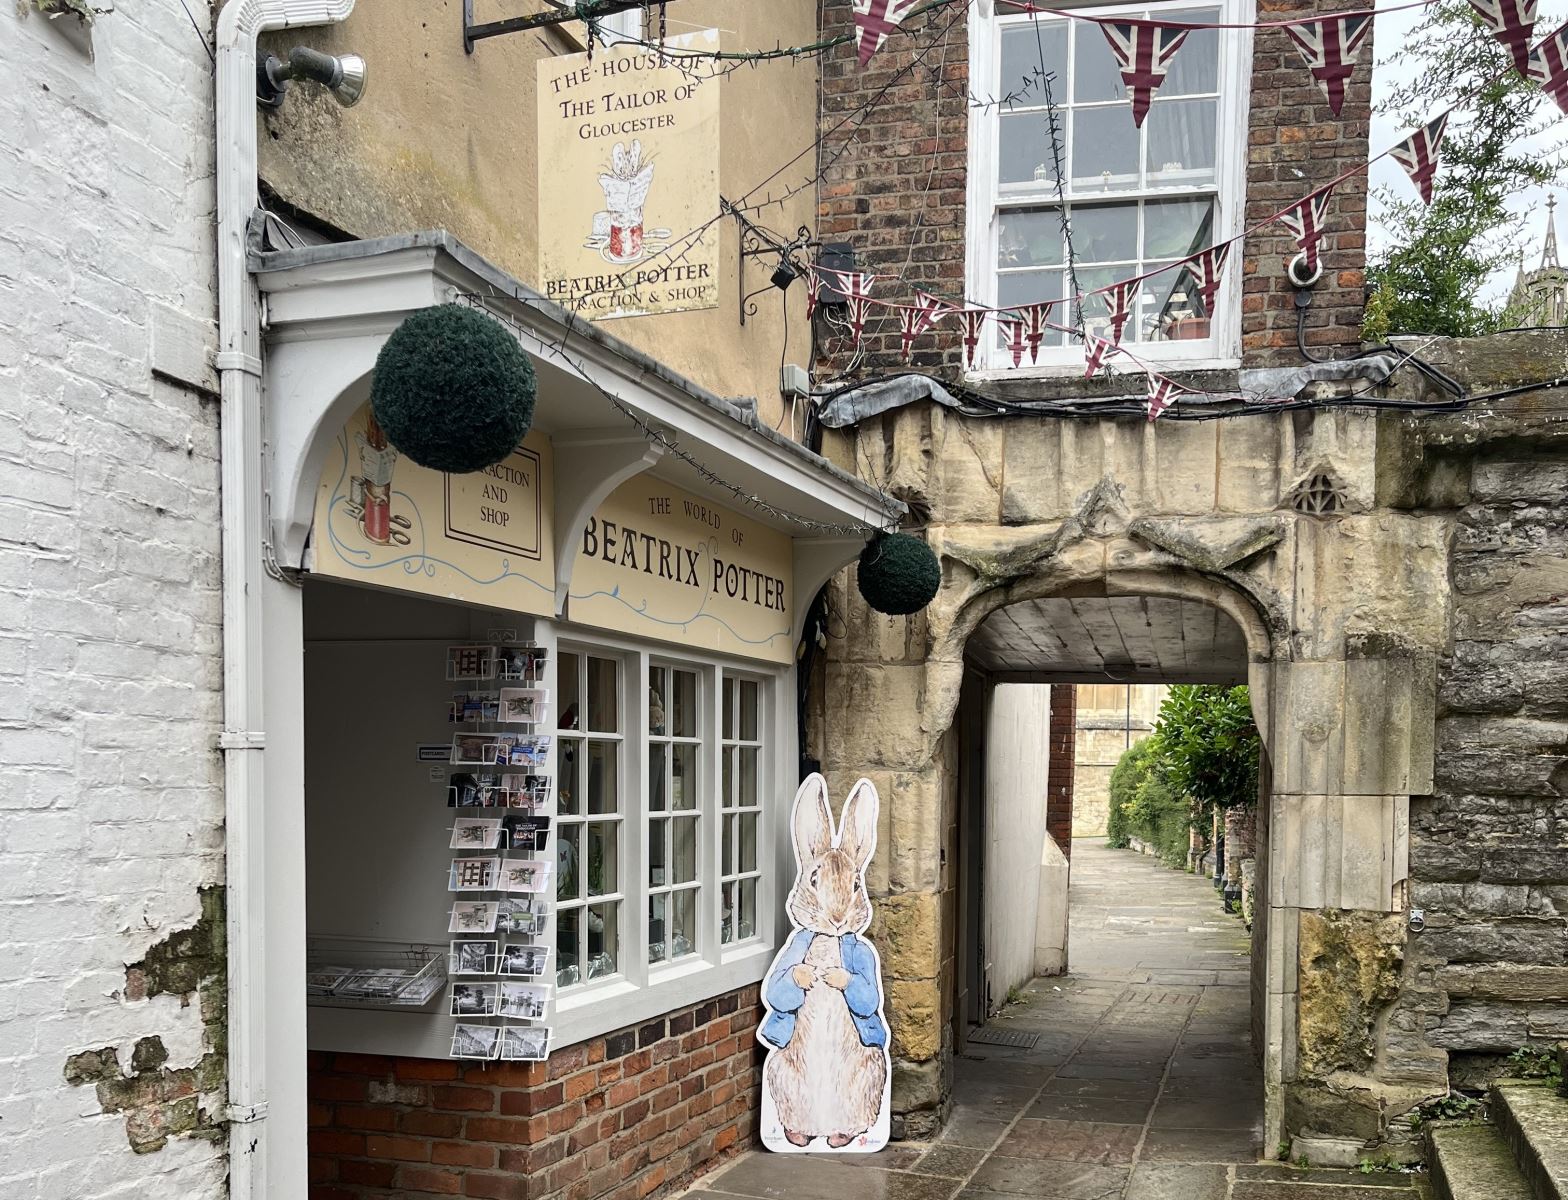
point(1141, 1085)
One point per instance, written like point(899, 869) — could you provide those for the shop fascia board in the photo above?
point(329, 309)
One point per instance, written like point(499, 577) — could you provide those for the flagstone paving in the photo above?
point(1142, 1085)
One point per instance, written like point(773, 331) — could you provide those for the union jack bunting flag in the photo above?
point(1206, 268)
point(874, 20)
point(1095, 351)
point(1512, 22)
point(1162, 394)
point(1118, 306)
point(1417, 154)
point(1025, 330)
point(1143, 51)
point(916, 318)
point(1331, 48)
point(1305, 220)
point(1548, 66)
point(973, 321)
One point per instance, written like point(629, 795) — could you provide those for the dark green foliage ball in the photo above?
point(453, 390)
point(899, 574)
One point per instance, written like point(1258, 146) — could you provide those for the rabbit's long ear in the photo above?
point(813, 822)
point(858, 838)
point(618, 158)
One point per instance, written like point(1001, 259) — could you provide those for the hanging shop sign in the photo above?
point(484, 538)
point(629, 180)
point(659, 562)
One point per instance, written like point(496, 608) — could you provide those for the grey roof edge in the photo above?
point(267, 261)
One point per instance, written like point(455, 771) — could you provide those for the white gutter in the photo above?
point(243, 475)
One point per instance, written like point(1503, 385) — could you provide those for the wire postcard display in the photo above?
point(500, 794)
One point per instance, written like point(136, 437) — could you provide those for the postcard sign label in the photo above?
point(659, 562)
point(629, 181)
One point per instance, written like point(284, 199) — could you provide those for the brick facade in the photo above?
point(895, 190)
point(625, 1116)
point(1063, 757)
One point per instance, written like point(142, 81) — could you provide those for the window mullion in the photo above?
point(635, 834)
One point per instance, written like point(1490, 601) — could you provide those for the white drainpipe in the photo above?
point(244, 580)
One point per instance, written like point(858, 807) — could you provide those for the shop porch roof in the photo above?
point(358, 288)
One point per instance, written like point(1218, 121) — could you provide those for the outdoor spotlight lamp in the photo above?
point(341, 74)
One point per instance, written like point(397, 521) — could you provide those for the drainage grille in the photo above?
point(992, 1036)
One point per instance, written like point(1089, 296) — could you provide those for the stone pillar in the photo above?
point(875, 701)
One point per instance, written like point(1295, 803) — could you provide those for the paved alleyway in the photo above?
point(1141, 1085)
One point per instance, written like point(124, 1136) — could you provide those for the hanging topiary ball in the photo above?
point(898, 574)
point(453, 390)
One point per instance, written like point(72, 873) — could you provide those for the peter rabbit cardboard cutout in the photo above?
point(826, 1081)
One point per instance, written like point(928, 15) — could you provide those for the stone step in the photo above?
point(1474, 1162)
point(1533, 1119)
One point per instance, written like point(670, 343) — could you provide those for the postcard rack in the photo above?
point(344, 972)
point(500, 806)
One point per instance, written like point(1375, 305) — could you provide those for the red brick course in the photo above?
point(1063, 752)
point(626, 1116)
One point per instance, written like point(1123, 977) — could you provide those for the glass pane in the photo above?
point(684, 835)
point(566, 683)
point(568, 787)
point(1176, 307)
point(1105, 233)
point(656, 911)
point(1095, 73)
point(1196, 66)
point(603, 698)
point(1023, 154)
point(1023, 48)
point(1105, 150)
point(729, 707)
point(746, 917)
point(746, 785)
point(727, 793)
point(727, 913)
point(1176, 228)
point(658, 858)
point(568, 963)
point(683, 912)
point(604, 939)
point(1029, 237)
point(1096, 316)
point(656, 758)
point(568, 864)
point(604, 862)
point(683, 780)
point(603, 786)
point(1028, 287)
point(748, 841)
point(727, 861)
point(684, 718)
point(1181, 142)
point(658, 696)
point(750, 696)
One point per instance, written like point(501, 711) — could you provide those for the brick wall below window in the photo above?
point(625, 1116)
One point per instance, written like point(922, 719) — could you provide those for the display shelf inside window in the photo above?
point(500, 795)
point(370, 973)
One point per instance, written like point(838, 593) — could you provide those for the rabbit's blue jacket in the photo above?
point(784, 996)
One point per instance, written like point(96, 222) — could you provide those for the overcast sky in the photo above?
point(1392, 28)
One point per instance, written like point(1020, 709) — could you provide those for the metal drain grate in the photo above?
point(990, 1035)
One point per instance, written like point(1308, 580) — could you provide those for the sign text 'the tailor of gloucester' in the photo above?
point(659, 562)
point(629, 181)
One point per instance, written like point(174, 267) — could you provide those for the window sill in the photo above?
point(1074, 369)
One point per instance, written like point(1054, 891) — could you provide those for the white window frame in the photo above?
point(632, 24)
point(639, 990)
point(1222, 349)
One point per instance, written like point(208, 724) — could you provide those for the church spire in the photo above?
point(1549, 250)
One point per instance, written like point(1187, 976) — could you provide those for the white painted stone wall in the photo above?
point(110, 675)
point(1017, 751)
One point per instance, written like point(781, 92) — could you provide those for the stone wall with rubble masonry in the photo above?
point(1438, 581)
